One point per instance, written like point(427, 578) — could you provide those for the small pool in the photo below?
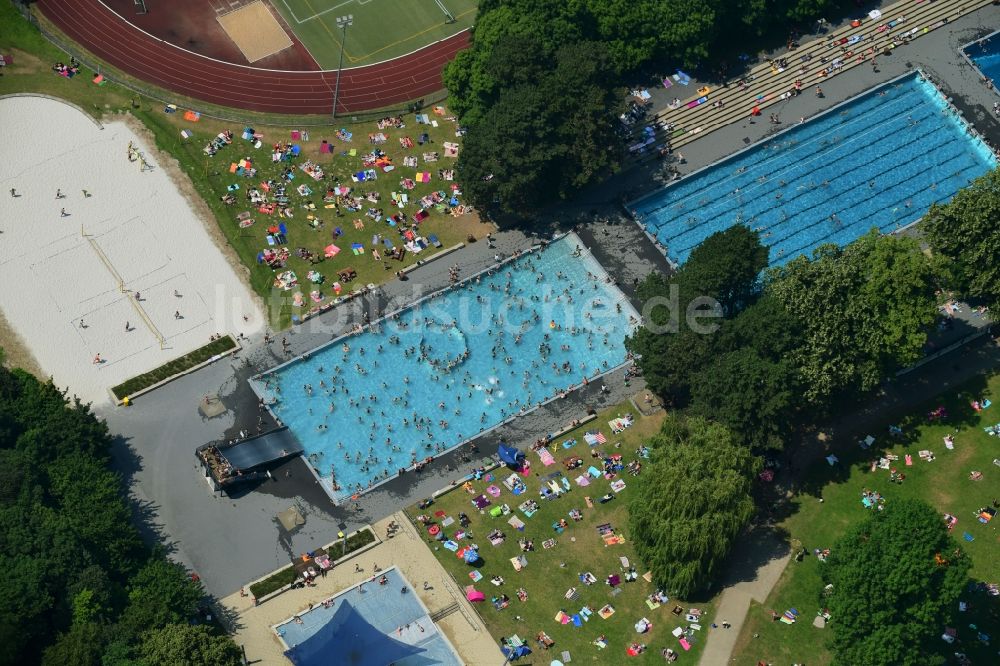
point(878, 161)
point(985, 53)
point(372, 624)
point(452, 367)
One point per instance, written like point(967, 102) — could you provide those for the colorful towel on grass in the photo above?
point(595, 437)
point(546, 457)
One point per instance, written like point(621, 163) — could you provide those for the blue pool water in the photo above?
point(451, 367)
point(878, 161)
point(380, 623)
point(986, 54)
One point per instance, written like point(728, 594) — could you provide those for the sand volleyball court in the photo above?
point(86, 232)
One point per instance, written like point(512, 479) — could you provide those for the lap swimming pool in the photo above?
point(985, 53)
point(451, 367)
point(879, 160)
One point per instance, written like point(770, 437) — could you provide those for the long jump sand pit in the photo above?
point(69, 281)
point(255, 31)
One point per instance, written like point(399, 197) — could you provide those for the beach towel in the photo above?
point(357, 248)
point(909, 460)
point(577, 622)
point(618, 486)
point(192, 116)
point(569, 443)
point(595, 437)
point(546, 457)
point(493, 491)
point(582, 480)
point(475, 576)
point(450, 545)
point(594, 472)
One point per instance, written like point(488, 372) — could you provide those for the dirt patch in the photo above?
point(16, 354)
point(255, 31)
point(25, 63)
point(204, 214)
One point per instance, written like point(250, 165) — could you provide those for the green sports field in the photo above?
point(382, 29)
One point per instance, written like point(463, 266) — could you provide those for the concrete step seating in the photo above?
point(766, 85)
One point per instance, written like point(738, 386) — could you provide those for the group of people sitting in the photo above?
point(67, 70)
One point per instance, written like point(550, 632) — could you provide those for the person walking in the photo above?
point(177, 314)
point(127, 327)
point(62, 212)
point(13, 193)
point(59, 194)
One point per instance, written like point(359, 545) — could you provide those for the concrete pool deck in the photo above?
point(407, 552)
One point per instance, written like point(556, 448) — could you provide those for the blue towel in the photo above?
point(968, 537)
point(576, 621)
point(283, 229)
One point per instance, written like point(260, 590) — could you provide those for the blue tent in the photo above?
point(510, 455)
point(348, 638)
point(513, 653)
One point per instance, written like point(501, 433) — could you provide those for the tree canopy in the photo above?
point(541, 87)
point(691, 502)
point(965, 231)
point(865, 310)
point(895, 577)
point(79, 585)
point(816, 329)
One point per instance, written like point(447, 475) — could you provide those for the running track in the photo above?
point(126, 47)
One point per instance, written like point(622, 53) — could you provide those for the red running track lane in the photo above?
point(126, 47)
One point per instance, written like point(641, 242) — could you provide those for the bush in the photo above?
point(173, 368)
point(287, 576)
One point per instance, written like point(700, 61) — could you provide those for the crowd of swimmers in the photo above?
point(401, 430)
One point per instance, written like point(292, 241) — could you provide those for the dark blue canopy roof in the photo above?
point(510, 455)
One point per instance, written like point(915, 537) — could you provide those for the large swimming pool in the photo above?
point(451, 367)
point(986, 54)
point(878, 161)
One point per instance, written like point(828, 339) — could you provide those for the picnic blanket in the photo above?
point(546, 457)
point(619, 424)
point(594, 437)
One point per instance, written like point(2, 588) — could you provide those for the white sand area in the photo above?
point(134, 226)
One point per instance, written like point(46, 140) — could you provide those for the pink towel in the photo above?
point(546, 457)
point(909, 460)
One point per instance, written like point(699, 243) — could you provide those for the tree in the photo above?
point(691, 502)
point(864, 310)
point(161, 593)
point(82, 645)
point(188, 645)
point(726, 267)
point(965, 231)
point(895, 576)
point(68, 549)
point(723, 270)
point(754, 396)
point(547, 130)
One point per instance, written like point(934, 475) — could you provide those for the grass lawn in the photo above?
point(945, 483)
point(579, 547)
point(210, 176)
point(382, 29)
